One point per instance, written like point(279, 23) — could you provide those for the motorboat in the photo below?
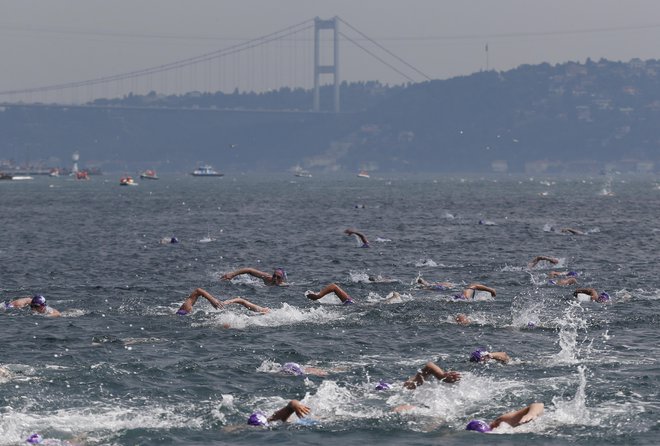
point(303, 174)
point(363, 174)
point(127, 181)
point(206, 171)
point(149, 175)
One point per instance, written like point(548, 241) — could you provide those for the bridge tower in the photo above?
point(332, 24)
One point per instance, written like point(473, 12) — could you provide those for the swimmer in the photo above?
point(277, 278)
point(469, 292)
point(462, 319)
point(293, 368)
point(592, 294)
point(283, 414)
point(482, 355)
point(430, 369)
point(359, 235)
point(187, 305)
point(537, 259)
point(332, 288)
point(571, 231)
point(562, 278)
point(37, 305)
point(436, 286)
point(513, 419)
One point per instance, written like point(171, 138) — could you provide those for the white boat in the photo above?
point(22, 177)
point(363, 174)
point(303, 174)
point(127, 181)
point(206, 171)
point(149, 175)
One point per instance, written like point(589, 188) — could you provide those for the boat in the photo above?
point(21, 177)
point(127, 181)
point(363, 174)
point(149, 175)
point(206, 171)
point(82, 175)
point(303, 174)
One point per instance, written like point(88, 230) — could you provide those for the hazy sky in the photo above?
point(54, 41)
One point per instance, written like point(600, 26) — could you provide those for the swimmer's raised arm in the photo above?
point(247, 304)
point(361, 236)
point(251, 271)
point(21, 302)
point(284, 413)
point(590, 291)
point(332, 288)
point(518, 417)
point(480, 287)
point(430, 369)
point(500, 356)
point(187, 305)
point(537, 259)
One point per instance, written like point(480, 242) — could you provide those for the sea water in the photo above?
point(120, 368)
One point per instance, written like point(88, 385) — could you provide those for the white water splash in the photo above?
point(278, 317)
point(569, 327)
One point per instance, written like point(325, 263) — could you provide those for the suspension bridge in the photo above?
point(301, 56)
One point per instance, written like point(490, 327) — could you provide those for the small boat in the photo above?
point(82, 175)
point(22, 177)
point(363, 174)
point(149, 175)
point(127, 181)
point(206, 171)
point(303, 174)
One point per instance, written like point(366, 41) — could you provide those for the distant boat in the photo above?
point(363, 174)
point(206, 171)
point(22, 177)
point(303, 174)
point(149, 175)
point(82, 175)
point(127, 181)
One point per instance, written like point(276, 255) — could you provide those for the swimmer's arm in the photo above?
point(479, 287)
point(537, 259)
point(294, 406)
point(519, 417)
point(247, 304)
point(251, 271)
point(590, 291)
point(361, 236)
point(21, 302)
point(54, 313)
point(500, 356)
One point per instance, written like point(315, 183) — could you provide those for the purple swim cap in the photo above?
point(38, 301)
point(382, 385)
point(257, 419)
point(478, 355)
point(291, 368)
point(34, 439)
point(478, 425)
point(572, 274)
point(174, 240)
point(531, 324)
point(279, 272)
point(603, 297)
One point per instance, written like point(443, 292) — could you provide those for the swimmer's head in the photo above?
point(603, 297)
point(382, 385)
point(258, 419)
point(572, 274)
point(479, 355)
point(291, 368)
point(174, 240)
point(279, 275)
point(459, 297)
point(531, 324)
point(478, 426)
point(38, 301)
point(34, 439)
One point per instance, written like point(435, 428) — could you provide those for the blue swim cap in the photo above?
point(174, 240)
point(258, 419)
point(291, 368)
point(603, 297)
point(572, 274)
point(382, 385)
point(38, 301)
point(34, 439)
point(478, 425)
point(478, 355)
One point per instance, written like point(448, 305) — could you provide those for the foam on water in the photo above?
point(277, 317)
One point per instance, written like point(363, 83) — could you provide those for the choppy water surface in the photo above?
point(120, 368)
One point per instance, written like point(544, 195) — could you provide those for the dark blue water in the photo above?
point(120, 368)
